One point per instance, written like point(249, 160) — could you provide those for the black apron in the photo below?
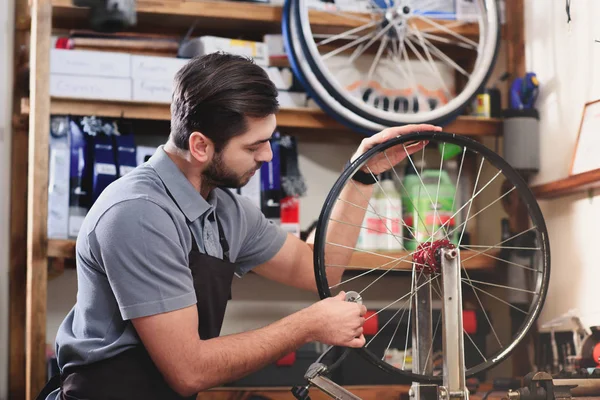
point(132, 374)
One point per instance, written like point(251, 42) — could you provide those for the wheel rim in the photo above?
point(536, 273)
point(321, 79)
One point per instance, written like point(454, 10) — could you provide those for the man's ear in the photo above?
point(201, 147)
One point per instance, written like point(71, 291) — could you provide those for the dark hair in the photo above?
point(213, 94)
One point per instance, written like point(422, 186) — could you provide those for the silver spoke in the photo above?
point(369, 229)
point(347, 33)
point(471, 201)
point(504, 241)
point(447, 30)
point(361, 275)
point(430, 62)
point(347, 46)
point(470, 246)
point(501, 286)
point(347, 16)
point(497, 298)
point(482, 308)
point(442, 56)
point(400, 299)
point(382, 46)
point(508, 262)
point(373, 40)
point(445, 40)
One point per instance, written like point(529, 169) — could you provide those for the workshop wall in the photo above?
point(6, 70)
point(566, 58)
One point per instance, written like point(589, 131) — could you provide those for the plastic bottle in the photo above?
point(389, 206)
point(419, 210)
point(372, 228)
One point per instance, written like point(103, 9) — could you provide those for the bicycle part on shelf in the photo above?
point(389, 62)
point(407, 342)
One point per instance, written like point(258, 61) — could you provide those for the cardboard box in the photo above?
point(159, 68)
point(152, 91)
point(90, 63)
point(90, 87)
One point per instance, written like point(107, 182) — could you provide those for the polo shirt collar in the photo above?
point(185, 195)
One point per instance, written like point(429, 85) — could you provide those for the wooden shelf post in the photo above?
point(37, 198)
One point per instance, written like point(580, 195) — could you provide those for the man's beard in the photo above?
point(217, 174)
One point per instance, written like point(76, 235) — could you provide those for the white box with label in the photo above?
point(211, 44)
point(90, 63)
point(152, 90)
point(151, 67)
point(90, 87)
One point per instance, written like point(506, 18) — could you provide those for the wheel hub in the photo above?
point(428, 256)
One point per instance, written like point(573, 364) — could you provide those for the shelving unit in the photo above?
point(567, 186)
point(301, 118)
point(30, 247)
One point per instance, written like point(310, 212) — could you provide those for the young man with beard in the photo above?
point(157, 252)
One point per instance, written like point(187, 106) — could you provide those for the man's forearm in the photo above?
point(227, 358)
point(344, 227)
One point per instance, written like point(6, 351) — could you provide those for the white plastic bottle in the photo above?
point(389, 206)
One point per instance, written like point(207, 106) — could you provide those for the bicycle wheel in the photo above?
point(407, 79)
point(501, 272)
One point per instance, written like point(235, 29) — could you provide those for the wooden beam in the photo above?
point(515, 38)
point(18, 264)
point(37, 199)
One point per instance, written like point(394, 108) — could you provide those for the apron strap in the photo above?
point(52, 385)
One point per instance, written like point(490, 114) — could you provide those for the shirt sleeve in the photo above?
point(139, 247)
point(262, 240)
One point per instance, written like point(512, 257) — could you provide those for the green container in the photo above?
point(419, 212)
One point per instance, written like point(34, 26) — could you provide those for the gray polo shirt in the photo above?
point(132, 254)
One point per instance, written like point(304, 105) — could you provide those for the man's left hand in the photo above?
point(384, 161)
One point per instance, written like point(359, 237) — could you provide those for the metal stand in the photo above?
point(454, 386)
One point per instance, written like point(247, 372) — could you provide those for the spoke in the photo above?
point(362, 251)
point(458, 178)
point(447, 30)
point(502, 286)
point(378, 215)
point(346, 33)
point(379, 34)
point(478, 212)
point(446, 40)
point(406, 191)
point(506, 261)
point(469, 246)
point(437, 194)
point(504, 241)
point(368, 229)
point(382, 46)
point(403, 309)
point(430, 63)
point(400, 299)
point(414, 292)
point(434, 333)
point(347, 46)
point(499, 299)
point(441, 55)
point(474, 345)
point(423, 185)
point(448, 25)
point(389, 201)
point(471, 201)
point(412, 75)
point(482, 308)
point(397, 61)
point(363, 267)
point(361, 275)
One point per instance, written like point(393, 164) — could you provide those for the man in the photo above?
point(158, 250)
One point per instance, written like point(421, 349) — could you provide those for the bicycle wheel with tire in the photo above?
point(392, 63)
point(504, 273)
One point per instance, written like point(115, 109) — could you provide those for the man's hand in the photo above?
point(338, 322)
point(381, 162)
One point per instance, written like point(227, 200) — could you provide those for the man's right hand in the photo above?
point(338, 322)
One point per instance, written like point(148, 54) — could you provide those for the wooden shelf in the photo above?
point(233, 16)
point(567, 186)
point(299, 118)
point(61, 248)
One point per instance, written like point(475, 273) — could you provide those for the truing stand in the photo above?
point(437, 257)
